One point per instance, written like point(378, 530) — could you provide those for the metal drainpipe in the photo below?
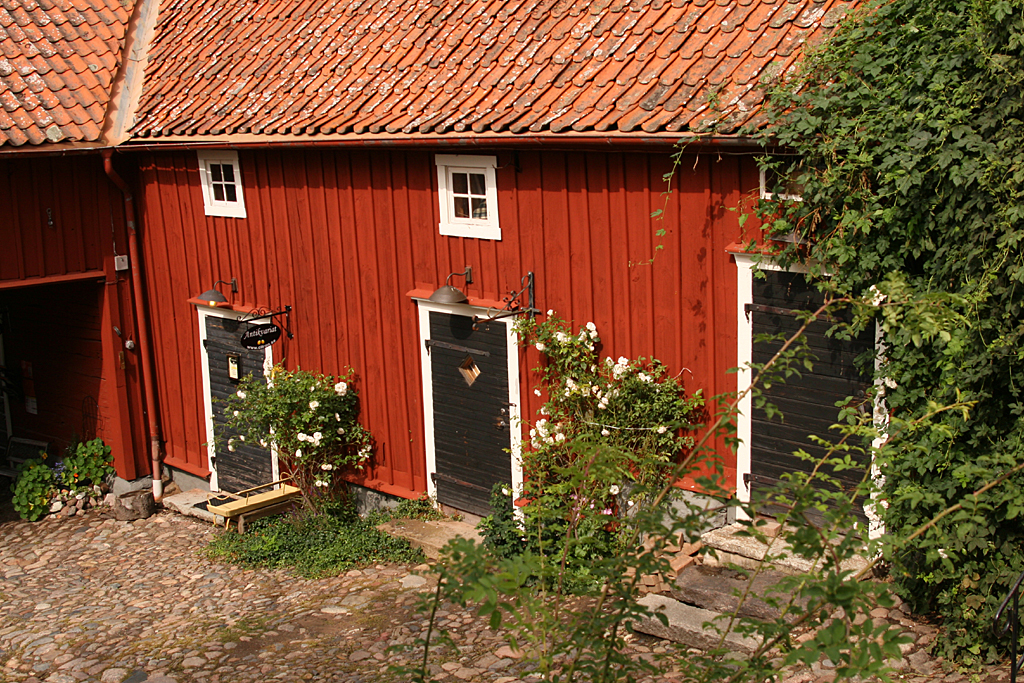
point(142, 319)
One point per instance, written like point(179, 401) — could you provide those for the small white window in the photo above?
point(771, 180)
point(468, 196)
point(221, 179)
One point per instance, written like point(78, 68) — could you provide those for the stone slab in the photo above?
point(184, 503)
point(715, 588)
point(748, 552)
point(430, 536)
point(686, 626)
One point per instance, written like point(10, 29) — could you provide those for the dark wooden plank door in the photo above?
point(808, 402)
point(470, 397)
point(248, 465)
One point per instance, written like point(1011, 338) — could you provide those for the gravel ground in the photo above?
point(89, 598)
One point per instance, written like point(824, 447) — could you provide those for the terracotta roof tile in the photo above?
point(447, 67)
point(64, 55)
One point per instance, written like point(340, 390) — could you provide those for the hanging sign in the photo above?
point(258, 336)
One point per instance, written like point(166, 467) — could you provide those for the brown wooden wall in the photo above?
point(60, 300)
point(342, 236)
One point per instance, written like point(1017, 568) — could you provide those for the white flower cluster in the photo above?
point(364, 453)
point(327, 467)
point(240, 394)
point(314, 439)
point(341, 388)
point(321, 482)
point(544, 432)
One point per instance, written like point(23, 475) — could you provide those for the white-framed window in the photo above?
point(221, 178)
point(770, 180)
point(468, 196)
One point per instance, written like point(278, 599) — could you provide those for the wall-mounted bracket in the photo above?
point(512, 304)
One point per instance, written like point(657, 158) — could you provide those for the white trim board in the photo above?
point(268, 363)
point(745, 266)
point(424, 309)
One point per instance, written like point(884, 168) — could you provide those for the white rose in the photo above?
point(340, 430)
point(540, 346)
point(298, 452)
point(240, 394)
point(231, 446)
point(317, 436)
point(593, 335)
point(605, 432)
point(592, 327)
point(241, 437)
point(327, 467)
point(614, 490)
point(313, 405)
point(236, 413)
point(536, 392)
point(301, 437)
point(340, 388)
point(551, 312)
point(623, 360)
point(662, 429)
point(560, 437)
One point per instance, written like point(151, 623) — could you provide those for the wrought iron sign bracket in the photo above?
point(512, 305)
point(263, 314)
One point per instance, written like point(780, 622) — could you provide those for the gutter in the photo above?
point(142, 318)
point(456, 141)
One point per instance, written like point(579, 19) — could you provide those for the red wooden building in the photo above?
point(344, 159)
point(69, 340)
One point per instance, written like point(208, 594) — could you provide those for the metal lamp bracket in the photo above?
point(512, 304)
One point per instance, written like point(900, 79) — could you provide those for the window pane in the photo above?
point(480, 208)
point(218, 192)
point(229, 173)
point(230, 189)
point(462, 207)
point(460, 185)
point(215, 173)
point(478, 183)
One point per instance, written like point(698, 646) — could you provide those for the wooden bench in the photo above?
point(248, 505)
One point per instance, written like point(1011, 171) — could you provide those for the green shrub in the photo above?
point(315, 545)
point(88, 465)
point(32, 489)
point(423, 508)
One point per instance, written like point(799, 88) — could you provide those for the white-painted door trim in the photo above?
point(268, 363)
point(425, 308)
point(745, 266)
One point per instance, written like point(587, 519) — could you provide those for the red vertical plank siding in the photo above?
point(343, 235)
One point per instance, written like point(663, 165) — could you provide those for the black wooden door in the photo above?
point(248, 465)
point(807, 403)
point(472, 430)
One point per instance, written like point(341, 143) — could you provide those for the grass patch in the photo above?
point(314, 545)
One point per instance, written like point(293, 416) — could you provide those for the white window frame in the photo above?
point(212, 206)
point(765, 194)
point(478, 228)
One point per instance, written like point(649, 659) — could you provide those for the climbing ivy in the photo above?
point(908, 128)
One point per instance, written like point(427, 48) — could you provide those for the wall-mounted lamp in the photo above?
point(213, 297)
point(451, 295)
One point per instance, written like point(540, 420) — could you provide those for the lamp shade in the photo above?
point(212, 297)
point(448, 295)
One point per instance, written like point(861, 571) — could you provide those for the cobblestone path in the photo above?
point(93, 599)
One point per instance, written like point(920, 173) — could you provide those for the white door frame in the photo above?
point(268, 363)
point(745, 266)
point(424, 309)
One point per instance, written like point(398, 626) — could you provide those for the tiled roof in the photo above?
point(344, 67)
point(58, 63)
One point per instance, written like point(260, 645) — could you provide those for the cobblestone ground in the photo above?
point(93, 599)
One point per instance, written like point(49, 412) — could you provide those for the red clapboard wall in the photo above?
point(61, 300)
point(344, 235)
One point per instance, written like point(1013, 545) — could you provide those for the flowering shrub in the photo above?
point(310, 419)
point(609, 432)
point(630, 406)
